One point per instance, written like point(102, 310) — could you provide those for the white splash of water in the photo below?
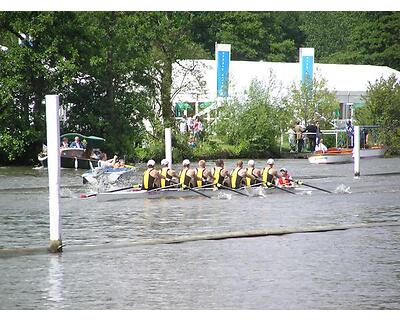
point(224, 196)
point(342, 189)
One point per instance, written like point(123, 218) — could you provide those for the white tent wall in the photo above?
point(349, 82)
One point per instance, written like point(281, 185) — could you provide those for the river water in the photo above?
point(102, 268)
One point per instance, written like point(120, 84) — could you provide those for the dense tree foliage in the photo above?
point(354, 37)
point(311, 102)
point(112, 70)
point(252, 125)
point(382, 108)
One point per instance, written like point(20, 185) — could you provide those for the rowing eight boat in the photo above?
point(179, 193)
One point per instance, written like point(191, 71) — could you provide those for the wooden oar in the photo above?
point(233, 190)
point(206, 185)
point(270, 185)
point(251, 186)
point(283, 189)
point(167, 187)
point(309, 185)
point(196, 191)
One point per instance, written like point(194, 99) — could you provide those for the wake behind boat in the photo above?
point(106, 176)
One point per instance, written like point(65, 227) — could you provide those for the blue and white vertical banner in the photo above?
point(222, 57)
point(307, 65)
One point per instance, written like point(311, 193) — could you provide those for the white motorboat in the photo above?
point(373, 152)
point(333, 155)
point(345, 155)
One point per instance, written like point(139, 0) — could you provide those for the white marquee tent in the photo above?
point(349, 82)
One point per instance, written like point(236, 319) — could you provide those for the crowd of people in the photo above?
point(216, 177)
point(298, 135)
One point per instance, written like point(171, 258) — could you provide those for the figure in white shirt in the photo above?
point(321, 147)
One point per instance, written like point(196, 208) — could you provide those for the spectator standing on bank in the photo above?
point(311, 129)
point(298, 129)
point(197, 128)
point(318, 133)
point(189, 122)
point(183, 125)
point(292, 139)
point(350, 134)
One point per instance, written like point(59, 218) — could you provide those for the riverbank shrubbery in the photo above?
point(382, 107)
point(250, 126)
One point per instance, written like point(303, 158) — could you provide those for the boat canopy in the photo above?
point(92, 141)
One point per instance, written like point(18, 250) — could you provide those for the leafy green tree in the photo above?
point(376, 39)
point(39, 61)
point(353, 37)
point(251, 125)
point(269, 36)
point(108, 97)
point(381, 108)
point(168, 41)
point(329, 32)
point(307, 103)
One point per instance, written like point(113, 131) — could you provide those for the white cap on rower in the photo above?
point(283, 169)
point(151, 163)
point(185, 162)
point(164, 162)
point(251, 163)
point(270, 161)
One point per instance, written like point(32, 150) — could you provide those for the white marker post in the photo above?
point(356, 151)
point(168, 147)
point(53, 164)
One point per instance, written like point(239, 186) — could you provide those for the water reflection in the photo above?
point(55, 279)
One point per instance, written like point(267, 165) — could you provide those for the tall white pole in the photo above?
point(168, 147)
point(356, 151)
point(53, 163)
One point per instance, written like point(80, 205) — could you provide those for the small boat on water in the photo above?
point(332, 155)
point(176, 193)
point(344, 155)
point(106, 176)
point(374, 151)
point(78, 158)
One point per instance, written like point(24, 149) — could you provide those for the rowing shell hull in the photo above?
point(178, 193)
point(143, 194)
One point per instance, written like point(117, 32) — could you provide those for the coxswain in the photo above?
point(168, 176)
point(269, 174)
point(187, 176)
point(203, 175)
point(285, 180)
point(220, 174)
point(238, 176)
point(253, 175)
point(151, 177)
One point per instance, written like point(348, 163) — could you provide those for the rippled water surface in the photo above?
point(101, 268)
